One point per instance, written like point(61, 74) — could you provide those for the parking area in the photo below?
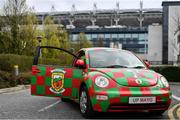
point(20, 104)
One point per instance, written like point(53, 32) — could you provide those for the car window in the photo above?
point(117, 58)
point(57, 57)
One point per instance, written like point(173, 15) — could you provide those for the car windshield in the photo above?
point(105, 58)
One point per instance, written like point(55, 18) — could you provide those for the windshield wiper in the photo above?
point(115, 66)
point(138, 67)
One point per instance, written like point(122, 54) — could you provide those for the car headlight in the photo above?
point(101, 81)
point(164, 81)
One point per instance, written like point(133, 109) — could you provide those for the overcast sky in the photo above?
point(66, 5)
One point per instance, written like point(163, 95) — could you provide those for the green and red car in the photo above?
point(103, 80)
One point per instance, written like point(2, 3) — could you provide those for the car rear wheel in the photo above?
point(65, 100)
point(85, 103)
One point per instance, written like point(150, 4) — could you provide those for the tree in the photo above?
point(100, 42)
point(28, 35)
point(54, 35)
point(57, 36)
point(50, 31)
point(1, 25)
point(14, 14)
point(19, 28)
point(63, 37)
point(82, 42)
point(49, 37)
point(174, 29)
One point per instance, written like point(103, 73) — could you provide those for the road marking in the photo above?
point(170, 112)
point(175, 97)
point(49, 106)
point(178, 112)
point(13, 92)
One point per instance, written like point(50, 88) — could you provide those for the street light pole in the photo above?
point(39, 38)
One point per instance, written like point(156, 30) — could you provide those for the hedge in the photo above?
point(7, 62)
point(172, 73)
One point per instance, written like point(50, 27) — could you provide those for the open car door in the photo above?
point(53, 79)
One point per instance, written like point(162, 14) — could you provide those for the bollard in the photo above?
point(16, 70)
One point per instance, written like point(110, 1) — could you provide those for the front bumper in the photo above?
point(118, 99)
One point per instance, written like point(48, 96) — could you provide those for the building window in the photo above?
point(135, 36)
point(101, 36)
point(141, 50)
point(127, 39)
point(141, 39)
point(74, 37)
point(128, 36)
point(107, 36)
point(114, 37)
point(121, 36)
point(141, 36)
point(94, 36)
point(136, 42)
point(88, 36)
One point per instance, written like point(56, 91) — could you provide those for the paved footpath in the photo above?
point(20, 104)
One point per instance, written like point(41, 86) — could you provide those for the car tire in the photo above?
point(85, 103)
point(64, 99)
point(157, 112)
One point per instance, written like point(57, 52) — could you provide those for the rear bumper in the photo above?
point(118, 99)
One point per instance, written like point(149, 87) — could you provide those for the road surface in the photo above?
point(21, 105)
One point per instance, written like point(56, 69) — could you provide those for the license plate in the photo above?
point(142, 100)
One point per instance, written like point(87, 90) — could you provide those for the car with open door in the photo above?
point(101, 79)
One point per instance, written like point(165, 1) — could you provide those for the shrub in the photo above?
point(172, 73)
point(7, 62)
point(6, 80)
point(24, 78)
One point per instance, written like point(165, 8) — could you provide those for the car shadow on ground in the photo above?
point(126, 115)
point(119, 115)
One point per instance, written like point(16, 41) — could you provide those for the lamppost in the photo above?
point(39, 38)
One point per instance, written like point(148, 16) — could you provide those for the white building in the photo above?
point(155, 43)
point(171, 24)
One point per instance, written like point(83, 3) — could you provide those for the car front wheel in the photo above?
point(85, 103)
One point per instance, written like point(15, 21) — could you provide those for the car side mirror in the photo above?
point(80, 63)
point(147, 63)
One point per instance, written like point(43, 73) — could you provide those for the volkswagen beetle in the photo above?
point(103, 80)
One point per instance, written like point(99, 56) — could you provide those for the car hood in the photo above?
point(131, 77)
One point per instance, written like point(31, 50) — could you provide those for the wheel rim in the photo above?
point(83, 102)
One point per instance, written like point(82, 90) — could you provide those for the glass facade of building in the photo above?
point(134, 40)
